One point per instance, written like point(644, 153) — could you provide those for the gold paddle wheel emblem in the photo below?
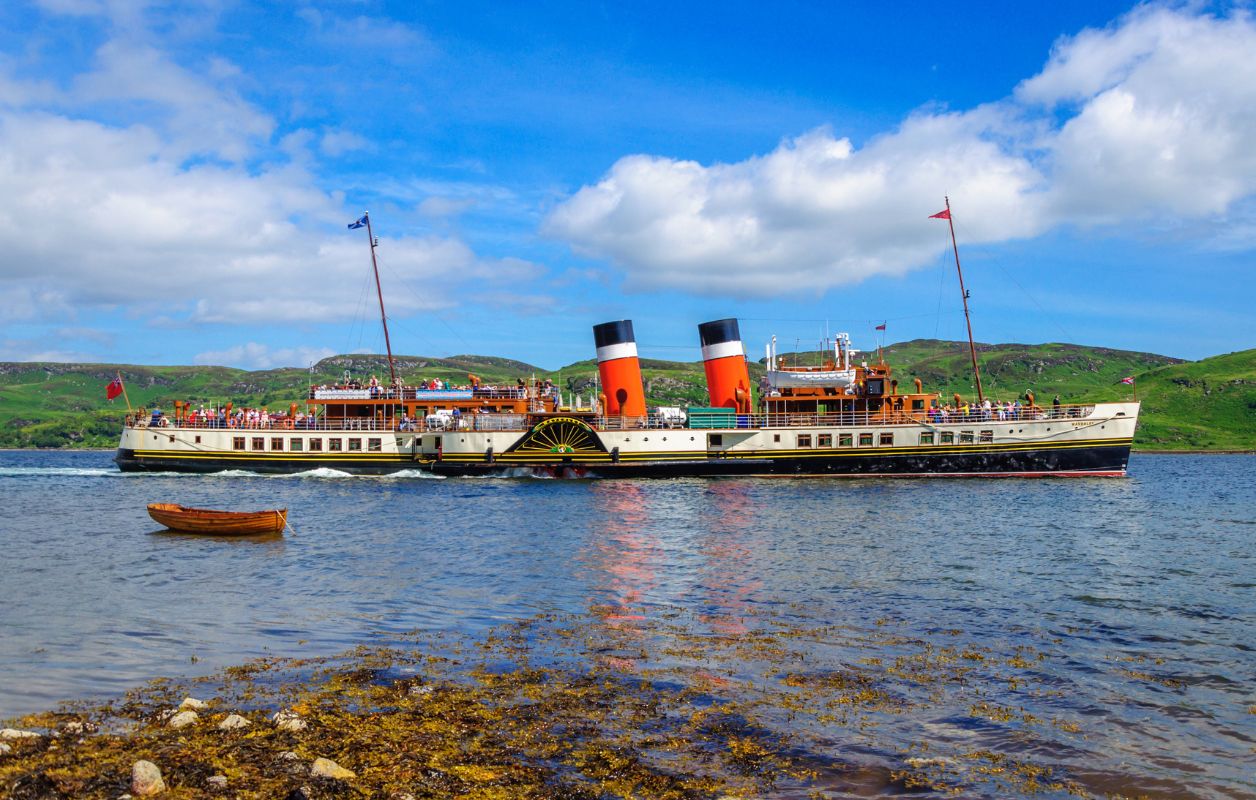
point(564, 436)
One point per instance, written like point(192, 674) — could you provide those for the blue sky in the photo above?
point(176, 178)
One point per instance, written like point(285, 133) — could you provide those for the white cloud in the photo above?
point(28, 350)
point(190, 213)
point(444, 207)
point(100, 337)
point(382, 36)
point(812, 214)
point(1167, 104)
point(259, 356)
point(1157, 116)
point(200, 117)
point(336, 142)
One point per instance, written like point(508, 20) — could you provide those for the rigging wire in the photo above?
point(1010, 275)
point(438, 315)
point(359, 317)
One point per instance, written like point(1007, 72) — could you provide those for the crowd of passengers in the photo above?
point(380, 390)
point(987, 411)
point(256, 418)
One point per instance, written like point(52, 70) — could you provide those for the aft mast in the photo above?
point(972, 349)
point(366, 218)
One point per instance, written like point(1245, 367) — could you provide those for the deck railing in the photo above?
point(697, 421)
point(330, 394)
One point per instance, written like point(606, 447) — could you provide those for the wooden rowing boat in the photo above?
point(222, 523)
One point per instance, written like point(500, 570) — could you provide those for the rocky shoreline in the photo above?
point(604, 705)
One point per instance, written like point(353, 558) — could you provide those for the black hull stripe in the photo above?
point(1109, 458)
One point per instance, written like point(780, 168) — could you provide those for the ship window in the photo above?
point(948, 437)
point(965, 437)
point(844, 440)
point(804, 440)
point(715, 440)
point(374, 445)
point(276, 443)
point(237, 443)
point(865, 440)
point(776, 437)
point(926, 438)
point(316, 444)
point(887, 439)
point(987, 436)
point(355, 444)
point(259, 442)
point(334, 444)
point(824, 440)
point(917, 405)
point(198, 440)
point(295, 444)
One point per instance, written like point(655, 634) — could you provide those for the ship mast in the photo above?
point(392, 370)
point(972, 349)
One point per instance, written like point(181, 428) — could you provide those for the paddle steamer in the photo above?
point(843, 416)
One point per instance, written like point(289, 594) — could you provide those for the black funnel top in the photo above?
point(719, 331)
point(609, 333)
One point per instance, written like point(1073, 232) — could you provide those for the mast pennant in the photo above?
point(943, 214)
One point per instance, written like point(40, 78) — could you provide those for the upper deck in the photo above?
point(706, 420)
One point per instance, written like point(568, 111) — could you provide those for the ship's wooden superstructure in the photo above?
point(841, 416)
point(1028, 440)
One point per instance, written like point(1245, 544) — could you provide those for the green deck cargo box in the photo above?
point(708, 417)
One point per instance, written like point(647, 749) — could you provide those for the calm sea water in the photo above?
point(1142, 590)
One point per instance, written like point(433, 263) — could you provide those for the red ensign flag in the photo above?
point(943, 214)
point(113, 389)
point(1127, 381)
point(881, 327)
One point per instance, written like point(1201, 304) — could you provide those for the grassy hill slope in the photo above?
point(1200, 405)
point(1209, 404)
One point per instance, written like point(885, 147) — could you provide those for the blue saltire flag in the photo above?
point(359, 224)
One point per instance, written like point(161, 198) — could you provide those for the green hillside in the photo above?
point(1202, 405)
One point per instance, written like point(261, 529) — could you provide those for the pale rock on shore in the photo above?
point(288, 720)
point(326, 768)
point(146, 779)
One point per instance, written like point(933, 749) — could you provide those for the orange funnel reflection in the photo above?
point(726, 551)
point(624, 553)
